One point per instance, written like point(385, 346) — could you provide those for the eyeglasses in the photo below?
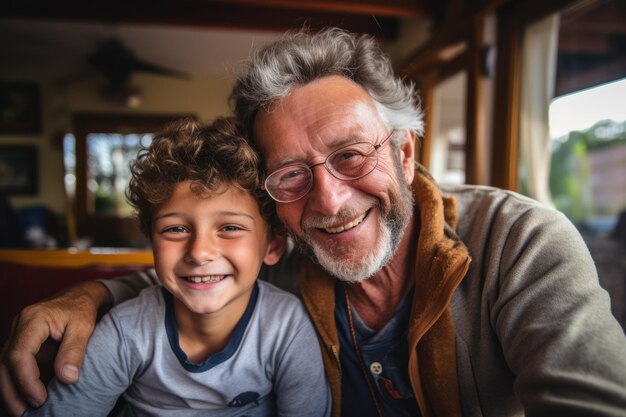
point(348, 163)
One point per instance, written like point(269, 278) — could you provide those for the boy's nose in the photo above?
point(202, 249)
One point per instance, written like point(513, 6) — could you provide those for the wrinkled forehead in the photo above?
point(318, 116)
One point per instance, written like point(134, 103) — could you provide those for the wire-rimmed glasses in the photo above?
point(347, 163)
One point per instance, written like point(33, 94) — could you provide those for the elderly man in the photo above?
point(439, 301)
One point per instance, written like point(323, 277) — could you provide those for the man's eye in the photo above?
point(293, 174)
point(348, 159)
point(293, 177)
point(345, 155)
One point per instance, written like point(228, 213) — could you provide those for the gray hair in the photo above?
point(300, 57)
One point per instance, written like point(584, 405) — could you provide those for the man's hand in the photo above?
point(68, 318)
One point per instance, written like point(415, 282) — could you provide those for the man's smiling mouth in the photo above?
point(347, 226)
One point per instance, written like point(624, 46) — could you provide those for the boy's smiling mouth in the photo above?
point(202, 279)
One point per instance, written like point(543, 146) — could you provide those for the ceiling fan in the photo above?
point(116, 63)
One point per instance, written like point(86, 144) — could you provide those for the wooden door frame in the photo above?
point(429, 66)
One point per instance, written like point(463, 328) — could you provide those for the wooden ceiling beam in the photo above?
point(610, 71)
point(444, 46)
point(590, 43)
point(391, 8)
point(595, 16)
point(379, 18)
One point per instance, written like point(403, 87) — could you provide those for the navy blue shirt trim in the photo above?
point(172, 334)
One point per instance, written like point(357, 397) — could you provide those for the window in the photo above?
point(588, 164)
point(579, 165)
point(97, 159)
point(108, 158)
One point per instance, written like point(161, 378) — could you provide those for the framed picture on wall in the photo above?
point(18, 170)
point(20, 108)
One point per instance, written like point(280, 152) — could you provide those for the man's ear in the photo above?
point(407, 157)
point(275, 249)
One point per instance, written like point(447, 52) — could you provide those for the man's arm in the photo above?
point(68, 318)
point(100, 384)
point(554, 322)
point(533, 325)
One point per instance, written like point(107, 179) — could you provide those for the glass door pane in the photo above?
point(447, 158)
point(109, 156)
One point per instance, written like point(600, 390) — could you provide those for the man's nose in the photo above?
point(328, 194)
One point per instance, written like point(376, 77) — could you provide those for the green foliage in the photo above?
point(569, 170)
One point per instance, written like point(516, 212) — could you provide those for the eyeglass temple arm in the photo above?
point(393, 132)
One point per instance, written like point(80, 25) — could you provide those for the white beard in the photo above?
point(356, 267)
point(363, 266)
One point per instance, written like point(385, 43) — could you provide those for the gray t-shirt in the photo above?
point(271, 367)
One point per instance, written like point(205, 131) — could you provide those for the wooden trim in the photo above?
point(124, 122)
point(527, 12)
point(506, 107)
point(609, 72)
point(513, 18)
point(455, 47)
point(452, 68)
point(397, 8)
point(453, 34)
point(80, 199)
point(427, 85)
point(475, 140)
point(77, 259)
point(377, 18)
point(444, 46)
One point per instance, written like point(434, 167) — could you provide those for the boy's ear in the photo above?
point(275, 249)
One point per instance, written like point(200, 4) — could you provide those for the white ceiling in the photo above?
point(58, 49)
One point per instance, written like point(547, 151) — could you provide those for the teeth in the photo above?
point(205, 279)
point(348, 226)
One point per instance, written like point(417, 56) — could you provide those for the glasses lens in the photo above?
point(289, 183)
point(353, 161)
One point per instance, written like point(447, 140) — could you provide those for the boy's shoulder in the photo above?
point(142, 307)
point(271, 291)
point(277, 301)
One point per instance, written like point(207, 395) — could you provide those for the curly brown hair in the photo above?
point(209, 155)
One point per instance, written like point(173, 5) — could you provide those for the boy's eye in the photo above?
point(231, 228)
point(175, 229)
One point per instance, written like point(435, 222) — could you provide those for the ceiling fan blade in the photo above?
point(143, 66)
point(117, 63)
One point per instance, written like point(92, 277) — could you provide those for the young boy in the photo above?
point(212, 340)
